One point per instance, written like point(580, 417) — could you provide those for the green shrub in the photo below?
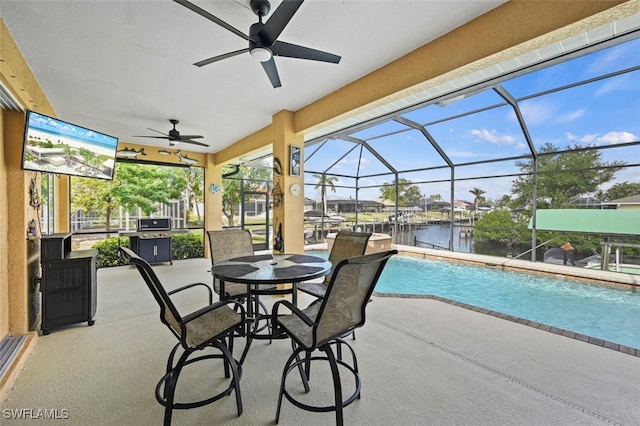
point(184, 246)
point(108, 254)
point(187, 246)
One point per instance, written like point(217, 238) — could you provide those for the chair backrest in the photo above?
point(227, 244)
point(343, 306)
point(347, 244)
point(168, 313)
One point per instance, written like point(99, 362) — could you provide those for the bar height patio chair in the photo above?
point(208, 327)
point(231, 243)
point(346, 244)
point(227, 244)
point(324, 323)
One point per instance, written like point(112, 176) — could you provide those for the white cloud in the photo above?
point(617, 137)
point(572, 116)
point(493, 136)
point(453, 153)
point(535, 112)
point(610, 58)
point(613, 85)
point(591, 138)
point(610, 138)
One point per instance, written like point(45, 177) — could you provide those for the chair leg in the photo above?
point(169, 368)
point(226, 362)
point(307, 367)
point(170, 386)
point(354, 361)
point(337, 385)
point(236, 375)
point(291, 359)
point(304, 371)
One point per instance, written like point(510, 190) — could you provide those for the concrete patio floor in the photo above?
point(422, 362)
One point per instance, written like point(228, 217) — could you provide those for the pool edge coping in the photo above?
point(616, 279)
point(628, 350)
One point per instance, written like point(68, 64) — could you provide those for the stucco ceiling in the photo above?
point(120, 67)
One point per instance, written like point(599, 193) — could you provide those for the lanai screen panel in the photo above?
point(387, 127)
point(482, 134)
point(615, 58)
point(407, 150)
point(326, 154)
point(599, 113)
point(501, 168)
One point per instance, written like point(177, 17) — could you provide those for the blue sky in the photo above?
point(604, 112)
point(49, 124)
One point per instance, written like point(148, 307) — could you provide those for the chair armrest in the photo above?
point(214, 306)
point(294, 309)
point(188, 286)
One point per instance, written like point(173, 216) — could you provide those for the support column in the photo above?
point(289, 212)
point(212, 199)
point(24, 264)
point(62, 218)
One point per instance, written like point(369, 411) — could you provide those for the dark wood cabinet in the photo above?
point(69, 283)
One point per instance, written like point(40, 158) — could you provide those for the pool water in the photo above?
point(599, 311)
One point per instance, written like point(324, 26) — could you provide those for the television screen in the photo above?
point(55, 146)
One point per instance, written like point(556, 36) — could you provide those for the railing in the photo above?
point(530, 250)
point(433, 246)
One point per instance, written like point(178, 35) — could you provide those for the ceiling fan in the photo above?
point(263, 37)
point(174, 135)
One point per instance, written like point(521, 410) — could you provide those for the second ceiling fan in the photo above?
point(263, 37)
point(174, 136)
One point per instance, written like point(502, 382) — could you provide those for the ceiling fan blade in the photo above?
point(157, 131)
point(220, 57)
point(278, 20)
point(193, 142)
point(154, 137)
point(212, 18)
point(183, 137)
point(272, 72)
point(281, 48)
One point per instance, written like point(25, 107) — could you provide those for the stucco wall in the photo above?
point(4, 279)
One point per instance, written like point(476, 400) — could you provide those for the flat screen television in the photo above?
point(55, 146)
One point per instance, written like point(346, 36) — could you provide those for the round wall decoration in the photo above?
point(294, 189)
point(215, 188)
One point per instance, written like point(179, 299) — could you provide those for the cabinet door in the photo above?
point(163, 249)
point(65, 292)
point(147, 249)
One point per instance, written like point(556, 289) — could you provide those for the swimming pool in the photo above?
point(598, 311)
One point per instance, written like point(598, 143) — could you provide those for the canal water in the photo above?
point(438, 236)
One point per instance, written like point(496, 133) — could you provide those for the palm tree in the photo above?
point(478, 194)
point(478, 197)
point(323, 182)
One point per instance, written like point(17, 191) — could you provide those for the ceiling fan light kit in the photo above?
point(261, 54)
point(263, 37)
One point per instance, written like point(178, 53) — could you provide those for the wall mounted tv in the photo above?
point(55, 146)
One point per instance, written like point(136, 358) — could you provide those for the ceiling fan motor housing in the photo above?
point(174, 134)
point(260, 7)
point(254, 37)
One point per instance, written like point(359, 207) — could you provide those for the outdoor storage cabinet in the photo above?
point(152, 249)
point(68, 284)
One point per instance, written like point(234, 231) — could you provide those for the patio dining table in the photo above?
point(266, 269)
